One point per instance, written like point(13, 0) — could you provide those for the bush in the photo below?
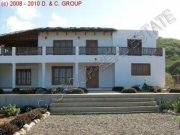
point(155, 89)
point(21, 120)
point(176, 106)
point(41, 110)
point(137, 87)
point(117, 88)
point(84, 89)
point(10, 110)
point(174, 91)
point(166, 105)
point(169, 81)
point(40, 90)
point(27, 108)
point(8, 129)
point(1, 91)
point(16, 90)
point(35, 114)
point(129, 90)
point(74, 91)
point(27, 91)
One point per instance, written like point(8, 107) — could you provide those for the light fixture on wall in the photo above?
point(45, 37)
point(78, 37)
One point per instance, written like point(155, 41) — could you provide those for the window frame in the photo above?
point(139, 66)
point(53, 82)
point(27, 73)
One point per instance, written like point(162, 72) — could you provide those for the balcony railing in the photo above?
point(6, 51)
point(97, 50)
point(60, 50)
point(9, 51)
point(29, 51)
point(140, 51)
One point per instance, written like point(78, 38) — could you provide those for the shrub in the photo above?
point(40, 90)
point(155, 89)
point(27, 108)
point(118, 88)
point(74, 91)
point(176, 106)
point(169, 81)
point(16, 90)
point(1, 91)
point(8, 129)
point(137, 87)
point(166, 105)
point(41, 110)
point(21, 120)
point(60, 90)
point(10, 110)
point(35, 114)
point(27, 91)
point(174, 91)
point(51, 91)
point(84, 89)
point(129, 90)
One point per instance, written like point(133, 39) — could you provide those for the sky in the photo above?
point(119, 14)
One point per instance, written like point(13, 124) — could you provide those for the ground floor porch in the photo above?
point(90, 75)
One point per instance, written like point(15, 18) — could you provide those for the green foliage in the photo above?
point(166, 105)
point(172, 47)
point(10, 110)
point(129, 90)
point(176, 106)
point(169, 81)
point(74, 91)
point(170, 105)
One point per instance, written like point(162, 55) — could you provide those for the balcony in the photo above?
point(29, 51)
point(60, 51)
point(5, 51)
point(35, 51)
point(140, 51)
point(97, 51)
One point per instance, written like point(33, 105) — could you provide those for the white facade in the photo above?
point(114, 70)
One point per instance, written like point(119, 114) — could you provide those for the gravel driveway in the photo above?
point(108, 124)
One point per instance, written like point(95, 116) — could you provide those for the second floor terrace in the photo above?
point(41, 51)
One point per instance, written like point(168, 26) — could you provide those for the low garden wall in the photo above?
point(39, 100)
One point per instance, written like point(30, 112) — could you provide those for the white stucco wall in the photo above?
point(123, 75)
point(148, 37)
point(6, 75)
point(79, 39)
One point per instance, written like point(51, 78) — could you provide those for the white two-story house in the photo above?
point(95, 58)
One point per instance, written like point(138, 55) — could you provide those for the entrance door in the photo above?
point(91, 47)
point(92, 77)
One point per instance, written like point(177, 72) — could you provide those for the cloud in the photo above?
point(57, 20)
point(27, 13)
point(15, 24)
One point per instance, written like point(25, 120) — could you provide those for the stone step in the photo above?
point(84, 110)
point(103, 104)
point(108, 99)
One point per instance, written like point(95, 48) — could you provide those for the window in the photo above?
point(140, 69)
point(23, 77)
point(62, 75)
point(63, 47)
point(134, 46)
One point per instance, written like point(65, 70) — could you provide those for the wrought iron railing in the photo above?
point(97, 50)
point(5, 51)
point(60, 50)
point(140, 51)
point(28, 50)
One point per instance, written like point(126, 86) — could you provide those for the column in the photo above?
point(77, 50)
point(13, 51)
point(13, 75)
point(76, 75)
point(43, 69)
